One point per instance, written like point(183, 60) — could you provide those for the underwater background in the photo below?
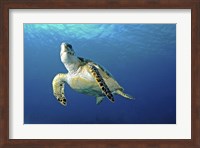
point(141, 57)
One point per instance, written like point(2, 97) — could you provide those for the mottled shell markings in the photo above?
point(101, 82)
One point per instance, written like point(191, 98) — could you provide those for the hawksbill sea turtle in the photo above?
point(85, 77)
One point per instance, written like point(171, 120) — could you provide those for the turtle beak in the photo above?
point(63, 47)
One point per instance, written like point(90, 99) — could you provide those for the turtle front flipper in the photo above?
point(58, 88)
point(101, 82)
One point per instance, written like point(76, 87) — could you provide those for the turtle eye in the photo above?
point(69, 45)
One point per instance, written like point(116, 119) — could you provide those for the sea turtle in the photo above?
point(85, 77)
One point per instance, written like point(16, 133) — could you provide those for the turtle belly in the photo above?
point(85, 84)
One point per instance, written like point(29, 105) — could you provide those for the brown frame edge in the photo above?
point(5, 5)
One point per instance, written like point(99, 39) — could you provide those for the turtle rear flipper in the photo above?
point(120, 92)
point(58, 88)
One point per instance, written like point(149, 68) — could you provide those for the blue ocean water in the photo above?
point(141, 57)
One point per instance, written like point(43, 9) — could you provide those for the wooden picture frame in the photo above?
point(5, 5)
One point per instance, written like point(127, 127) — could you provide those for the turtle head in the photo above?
point(66, 53)
point(67, 48)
